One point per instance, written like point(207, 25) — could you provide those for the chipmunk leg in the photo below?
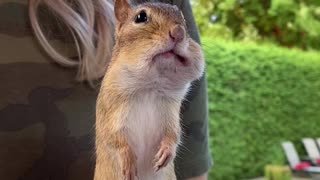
point(126, 157)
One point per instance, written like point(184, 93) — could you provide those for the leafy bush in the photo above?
point(259, 96)
point(285, 22)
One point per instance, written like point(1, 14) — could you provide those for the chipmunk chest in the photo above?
point(146, 124)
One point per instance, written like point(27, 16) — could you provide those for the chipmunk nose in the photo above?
point(177, 33)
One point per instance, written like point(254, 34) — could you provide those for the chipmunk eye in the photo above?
point(141, 17)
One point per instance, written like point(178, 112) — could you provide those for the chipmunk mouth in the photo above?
point(171, 54)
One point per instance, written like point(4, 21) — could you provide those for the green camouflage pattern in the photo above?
point(47, 118)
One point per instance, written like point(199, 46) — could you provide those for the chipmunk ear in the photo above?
point(121, 10)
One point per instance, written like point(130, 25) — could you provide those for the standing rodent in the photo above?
point(153, 64)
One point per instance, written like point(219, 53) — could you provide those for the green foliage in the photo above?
point(290, 23)
point(259, 96)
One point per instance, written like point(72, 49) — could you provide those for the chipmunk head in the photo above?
point(153, 46)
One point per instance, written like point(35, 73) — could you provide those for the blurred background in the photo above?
point(263, 71)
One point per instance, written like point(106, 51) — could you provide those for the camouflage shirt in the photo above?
point(47, 118)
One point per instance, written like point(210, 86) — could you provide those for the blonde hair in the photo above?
point(91, 24)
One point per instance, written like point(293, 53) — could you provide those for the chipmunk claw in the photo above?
point(163, 157)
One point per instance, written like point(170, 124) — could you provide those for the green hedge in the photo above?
point(259, 96)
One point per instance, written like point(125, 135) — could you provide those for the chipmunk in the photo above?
point(153, 64)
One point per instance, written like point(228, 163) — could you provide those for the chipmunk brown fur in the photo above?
point(153, 63)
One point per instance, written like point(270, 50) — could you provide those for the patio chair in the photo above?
point(294, 160)
point(312, 150)
point(318, 142)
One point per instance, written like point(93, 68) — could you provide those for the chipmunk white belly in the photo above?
point(146, 125)
point(147, 119)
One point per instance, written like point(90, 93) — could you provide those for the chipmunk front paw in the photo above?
point(129, 167)
point(165, 155)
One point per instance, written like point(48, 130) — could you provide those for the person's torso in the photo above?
point(46, 116)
